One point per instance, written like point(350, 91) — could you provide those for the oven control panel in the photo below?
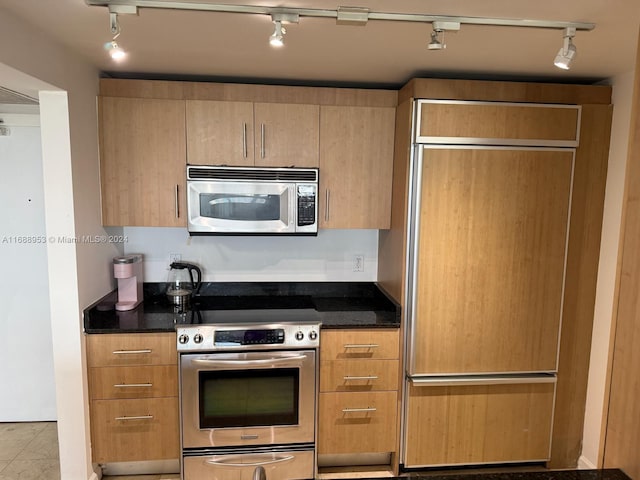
point(248, 337)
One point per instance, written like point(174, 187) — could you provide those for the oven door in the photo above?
point(280, 465)
point(251, 398)
point(241, 207)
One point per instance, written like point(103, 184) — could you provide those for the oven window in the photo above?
point(231, 206)
point(249, 398)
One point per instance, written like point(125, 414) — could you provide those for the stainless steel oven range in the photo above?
point(248, 395)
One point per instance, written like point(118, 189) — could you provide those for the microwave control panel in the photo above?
point(306, 205)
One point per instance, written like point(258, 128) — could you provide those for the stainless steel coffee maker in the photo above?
point(182, 285)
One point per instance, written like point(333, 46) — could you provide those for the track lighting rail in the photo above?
point(313, 12)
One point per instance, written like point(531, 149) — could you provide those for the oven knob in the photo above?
point(299, 335)
point(197, 338)
point(182, 339)
point(313, 335)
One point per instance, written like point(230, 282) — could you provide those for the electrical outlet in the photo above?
point(358, 263)
point(174, 257)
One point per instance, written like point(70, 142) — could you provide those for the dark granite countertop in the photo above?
point(336, 305)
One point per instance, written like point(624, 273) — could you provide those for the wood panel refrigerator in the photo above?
point(486, 266)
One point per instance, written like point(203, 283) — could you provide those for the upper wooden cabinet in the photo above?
point(142, 162)
point(150, 130)
point(219, 133)
point(356, 164)
point(246, 133)
point(463, 122)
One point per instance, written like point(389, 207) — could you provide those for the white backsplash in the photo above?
point(327, 257)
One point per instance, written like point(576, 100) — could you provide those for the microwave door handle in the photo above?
point(247, 363)
point(253, 464)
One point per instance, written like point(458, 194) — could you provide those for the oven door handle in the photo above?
point(255, 464)
point(246, 363)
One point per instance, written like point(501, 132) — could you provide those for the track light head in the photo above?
point(280, 17)
point(277, 37)
point(436, 43)
point(567, 52)
point(437, 35)
point(115, 51)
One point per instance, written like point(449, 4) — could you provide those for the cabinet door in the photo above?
point(356, 163)
point(360, 344)
point(219, 133)
point(355, 375)
point(490, 273)
point(286, 135)
point(142, 162)
point(451, 425)
point(133, 382)
point(496, 123)
point(362, 422)
point(120, 350)
point(135, 430)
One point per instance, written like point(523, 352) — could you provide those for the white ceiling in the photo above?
point(227, 46)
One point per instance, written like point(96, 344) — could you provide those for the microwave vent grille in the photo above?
point(252, 174)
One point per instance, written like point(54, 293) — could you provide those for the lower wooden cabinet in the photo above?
point(358, 400)
point(133, 392)
point(135, 429)
point(455, 425)
point(357, 422)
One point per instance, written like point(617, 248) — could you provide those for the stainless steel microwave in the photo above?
point(224, 200)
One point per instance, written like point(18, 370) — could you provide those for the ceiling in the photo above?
point(234, 47)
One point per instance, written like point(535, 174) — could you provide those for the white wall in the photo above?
point(599, 360)
point(327, 257)
point(78, 273)
point(24, 284)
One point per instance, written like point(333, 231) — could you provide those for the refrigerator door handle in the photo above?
point(476, 380)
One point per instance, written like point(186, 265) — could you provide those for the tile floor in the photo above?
point(29, 451)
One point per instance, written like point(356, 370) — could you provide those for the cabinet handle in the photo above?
point(131, 352)
point(361, 345)
point(366, 377)
point(228, 461)
point(326, 205)
point(479, 380)
point(126, 385)
point(138, 417)
point(355, 410)
point(262, 136)
point(177, 202)
point(244, 140)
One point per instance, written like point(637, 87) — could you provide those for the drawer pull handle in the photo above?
point(367, 377)
point(138, 417)
point(126, 385)
point(361, 345)
point(229, 461)
point(131, 352)
point(354, 410)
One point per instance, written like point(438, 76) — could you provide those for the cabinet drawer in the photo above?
point(457, 425)
point(135, 430)
point(131, 349)
point(355, 375)
point(133, 382)
point(488, 122)
point(359, 344)
point(362, 422)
